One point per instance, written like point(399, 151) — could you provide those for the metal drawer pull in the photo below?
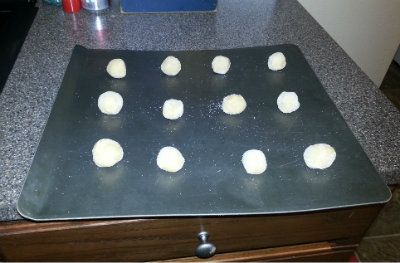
point(205, 249)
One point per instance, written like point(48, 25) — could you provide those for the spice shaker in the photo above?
point(95, 5)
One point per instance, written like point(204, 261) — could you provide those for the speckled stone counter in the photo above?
point(26, 101)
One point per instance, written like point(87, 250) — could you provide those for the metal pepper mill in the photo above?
point(95, 5)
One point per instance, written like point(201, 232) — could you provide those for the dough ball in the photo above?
point(254, 161)
point(107, 152)
point(170, 159)
point(173, 109)
point(116, 68)
point(319, 156)
point(234, 104)
point(277, 61)
point(110, 102)
point(221, 64)
point(171, 66)
point(288, 102)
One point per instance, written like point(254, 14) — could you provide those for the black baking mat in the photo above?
point(64, 183)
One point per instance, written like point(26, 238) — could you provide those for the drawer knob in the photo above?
point(205, 249)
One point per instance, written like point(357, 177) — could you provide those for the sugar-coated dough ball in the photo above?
point(234, 104)
point(319, 156)
point(221, 64)
point(116, 68)
point(288, 102)
point(172, 109)
point(110, 102)
point(254, 161)
point(277, 61)
point(170, 159)
point(171, 66)
point(107, 152)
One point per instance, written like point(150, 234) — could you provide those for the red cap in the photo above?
point(71, 6)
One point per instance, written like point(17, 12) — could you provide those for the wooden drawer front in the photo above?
point(322, 251)
point(141, 240)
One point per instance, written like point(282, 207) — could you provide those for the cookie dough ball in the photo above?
point(110, 103)
point(171, 66)
point(107, 152)
point(172, 109)
point(288, 102)
point(170, 159)
point(319, 156)
point(116, 68)
point(234, 104)
point(254, 161)
point(277, 61)
point(221, 64)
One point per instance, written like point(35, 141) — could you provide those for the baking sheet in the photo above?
point(63, 182)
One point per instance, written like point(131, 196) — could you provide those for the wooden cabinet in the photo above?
point(322, 251)
point(323, 235)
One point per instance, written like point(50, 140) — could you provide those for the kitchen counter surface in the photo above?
point(26, 101)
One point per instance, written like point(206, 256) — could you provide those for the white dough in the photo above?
point(107, 152)
point(171, 66)
point(221, 64)
point(170, 159)
point(319, 156)
point(116, 68)
point(288, 102)
point(277, 61)
point(234, 104)
point(110, 102)
point(254, 161)
point(173, 109)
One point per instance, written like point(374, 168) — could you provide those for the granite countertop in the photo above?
point(26, 101)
